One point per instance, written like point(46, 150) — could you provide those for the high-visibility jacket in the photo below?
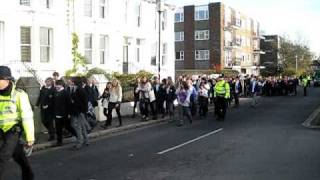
point(15, 109)
point(305, 82)
point(309, 78)
point(222, 88)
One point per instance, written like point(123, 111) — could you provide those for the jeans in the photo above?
point(170, 109)
point(203, 106)
point(236, 99)
point(112, 106)
point(11, 148)
point(254, 100)
point(185, 112)
point(78, 123)
point(144, 107)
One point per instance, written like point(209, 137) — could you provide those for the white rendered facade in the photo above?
point(116, 35)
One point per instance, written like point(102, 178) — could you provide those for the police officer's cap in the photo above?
point(5, 73)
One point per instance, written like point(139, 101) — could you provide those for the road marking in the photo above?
point(189, 142)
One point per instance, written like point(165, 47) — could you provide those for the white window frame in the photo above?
point(28, 45)
point(25, 2)
point(46, 4)
point(228, 58)
point(88, 8)
point(238, 19)
point(202, 35)
point(153, 59)
point(48, 46)
point(179, 17)
point(103, 48)
point(88, 47)
point(164, 20)
point(198, 10)
point(179, 36)
point(138, 49)
point(181, 55)
point(202, 55)
point(102, 9)
point(164, 53)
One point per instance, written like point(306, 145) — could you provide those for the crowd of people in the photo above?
point(71, 106)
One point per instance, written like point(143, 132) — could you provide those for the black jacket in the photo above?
point(171, 94)
point(93, 94)
point(46, 97)
point(160, 93)
point(79, 102)
point(61, 103)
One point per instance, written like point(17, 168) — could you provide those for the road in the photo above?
point(262, 143)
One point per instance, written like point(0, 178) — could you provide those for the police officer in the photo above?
point(221, 95)
point(16, 120)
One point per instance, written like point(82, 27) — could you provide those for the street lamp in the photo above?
point(296, 64)
point(160, 6)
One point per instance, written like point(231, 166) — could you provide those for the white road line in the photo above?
point(188, 142)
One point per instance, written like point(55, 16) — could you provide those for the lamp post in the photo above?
point(160, 6)
point(296, 64)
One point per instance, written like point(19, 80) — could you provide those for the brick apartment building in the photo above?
point(216, 37)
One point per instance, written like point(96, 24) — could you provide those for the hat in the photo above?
point(5, 73)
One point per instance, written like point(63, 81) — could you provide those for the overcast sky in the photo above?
point(300, 19)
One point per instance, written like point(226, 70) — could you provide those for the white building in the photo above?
point(115, 35)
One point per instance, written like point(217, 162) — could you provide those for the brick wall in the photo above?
point(189, 37)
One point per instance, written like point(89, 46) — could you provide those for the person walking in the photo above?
point(61, 104)
point(237, 91)
point(135, 97)
point(144, 89)
point(203, 94)
point(45, 103)
point(16, 118)
point(254, 90)
point(184, 93)
point(78, 109)
point(105, 98)
point(305, 85)
point(221, 94)
point(170, 98)
point(160, 93)
point(114, 102)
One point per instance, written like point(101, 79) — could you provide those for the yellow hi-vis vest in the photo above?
point(16, 109)
point(305, 82)
point(222, 88)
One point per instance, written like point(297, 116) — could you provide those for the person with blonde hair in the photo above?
point(114, 102)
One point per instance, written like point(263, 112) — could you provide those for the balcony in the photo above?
point(258, 51)
point(228, 45)
point(255, 36)
point(228, 27)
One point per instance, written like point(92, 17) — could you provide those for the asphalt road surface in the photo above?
point(262, 143)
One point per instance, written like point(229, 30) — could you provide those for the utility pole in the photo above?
point(296, 64)
point(160, 9)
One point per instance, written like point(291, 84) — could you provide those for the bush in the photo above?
point(289, 72)
point(96, 70)
point(127, 82)
point(229, 72)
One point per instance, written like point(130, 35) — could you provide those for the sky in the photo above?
point(299, 19)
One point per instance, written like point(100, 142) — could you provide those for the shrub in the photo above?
point(229, 72)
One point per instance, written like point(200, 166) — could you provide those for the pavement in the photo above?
point(262, 143)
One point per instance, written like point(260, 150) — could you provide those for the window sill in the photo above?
point(202, 59)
